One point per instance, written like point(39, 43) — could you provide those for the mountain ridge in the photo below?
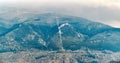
point(45, 31)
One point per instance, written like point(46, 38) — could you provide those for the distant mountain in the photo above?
point(55, 32)
point(2, 30)
point(108, 40)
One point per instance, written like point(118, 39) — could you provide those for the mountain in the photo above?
point(108, 40)
point(59, 32)
point(2, 30)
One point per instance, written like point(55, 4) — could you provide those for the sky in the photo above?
point(104, 11)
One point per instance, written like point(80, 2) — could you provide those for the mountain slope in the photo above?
point(54, 32)
point(108, 40)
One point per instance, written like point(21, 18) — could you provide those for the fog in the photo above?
point(104, 11)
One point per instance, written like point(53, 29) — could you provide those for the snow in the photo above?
point(86, 55)
point(65, 24)
point(41, 41)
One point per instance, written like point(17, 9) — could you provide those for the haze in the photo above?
point(104, 11)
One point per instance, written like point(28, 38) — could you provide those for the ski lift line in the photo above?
point(60, 34)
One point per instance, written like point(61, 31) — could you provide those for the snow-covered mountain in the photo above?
point(108, 40)
point(55, 32)
point(56, 38)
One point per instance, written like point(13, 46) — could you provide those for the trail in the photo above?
point(60, 34)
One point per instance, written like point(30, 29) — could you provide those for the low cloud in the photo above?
point(105, 11)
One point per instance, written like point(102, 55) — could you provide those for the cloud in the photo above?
point(105, 11)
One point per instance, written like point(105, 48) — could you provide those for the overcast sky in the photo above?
point(105, 11)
